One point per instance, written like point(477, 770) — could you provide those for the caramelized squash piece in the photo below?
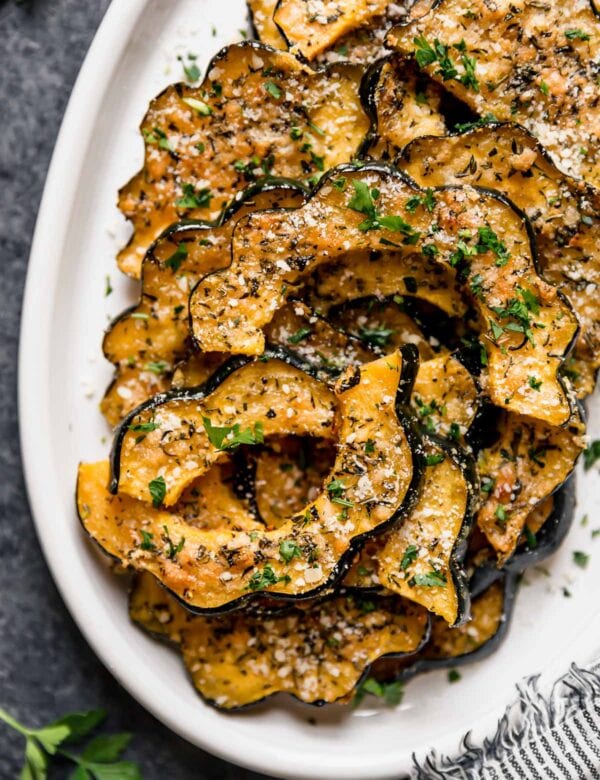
point(527, 464)
point(183, 429)
point(520, 61)
point(382, 327)
point(317, 653)
point(474, 235)
point(261, 16)
point(146, 341)
point(421, 559)
point(373, 482)
point(284, 119)
point(450, 646)
point(405, 104)
point(562, 211)
point(384, 273)
point(311, 28)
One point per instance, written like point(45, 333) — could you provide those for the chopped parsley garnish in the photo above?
point(409, 556)
point(486, 119)
point(488, 241)
point(265, 578)
point(157, 367)
point(193, 198)
point(158, 490)
point(433, 460)
point(158, 137)
point(453, 675)
point(230, 437)
point(530, 538)
point(363, 201)
point(336, 490)
point(108, 288)
point(172, 549)
point(431, 579)
point(534, 383)
point(191, 70)
point(390, 692)
point(518, 313)
point(576, 35)
point(299, 335)
point(198, 105)
point(378, 337)
point(544, 89)
point(176, 259)
point(273, 89)
point(581, 559)
point(369, 446)
point(426, 54)
point(591, 454)
point(500, 514)
point(427, 200)
point(289, 549)
point(147, 543)
point(144, 427)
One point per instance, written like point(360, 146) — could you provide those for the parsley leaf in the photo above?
point(431, 579)
point(265, 578)
point(172, 549)
point(581, 559)
point(299, 335)
point(576, 35)
point(158, 490)
point(591, 454)
point(409, 556)
point(193, 198)
point(377, 337)
point(176, 259)
point(231, 437)
point(273, 89)
point(390, 692)
point(289, 549)
point(198, 105)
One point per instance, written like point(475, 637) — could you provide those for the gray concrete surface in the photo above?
point(46, 667)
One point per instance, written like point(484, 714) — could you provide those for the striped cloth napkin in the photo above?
point(555, 737)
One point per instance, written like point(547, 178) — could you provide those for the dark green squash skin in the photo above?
point(410, 362)
point(549, 538)
point(511, 586)
point(290, 609)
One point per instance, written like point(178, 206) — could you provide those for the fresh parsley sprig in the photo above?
point(99, 759)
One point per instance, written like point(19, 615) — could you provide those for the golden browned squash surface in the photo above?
point(522, 61)
point(525, 326)
point(317, 653)
point(370, 481)
point(284, 119)
point(563, 213)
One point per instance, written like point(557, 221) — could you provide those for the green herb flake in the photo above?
point(144, 427)
point(288, 550)
point(176, 259)
point(273, 89)
point(158, 490)
point(108, 287)
point(369, 447)
point(193, 198)
point(377, 337)
point(431, 579)
point(591, 454)
point(172, 549)
point(581, 559)
point(199, 106)
point(231, 437)
point(453, 675)
point(576, 35)
point(409, 556)
point(433, 460)
point(265, 578)
point(299, 335)
point(147, 543)
point(390, 692)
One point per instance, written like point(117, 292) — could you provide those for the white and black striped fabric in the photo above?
point(539, 738)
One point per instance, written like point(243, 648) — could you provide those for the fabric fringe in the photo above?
point(523, 721)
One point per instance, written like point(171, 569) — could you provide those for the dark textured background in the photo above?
point(46, 667)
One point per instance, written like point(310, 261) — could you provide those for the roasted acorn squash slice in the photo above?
point(311, 32)
point(527, 463)
point(449, 646)
point(404, 104)
point(562, 211)
point(285, 119)
point(519, 61)
point(147, 340)
point(261, 16)
point(474, 234)
point(317, 653)
point(373, 482)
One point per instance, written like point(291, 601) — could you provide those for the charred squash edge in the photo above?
point(391, 171)
point(264, 184)
point(410, 361)
point(318, 702)
point(549, 538)
point(511, 587)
